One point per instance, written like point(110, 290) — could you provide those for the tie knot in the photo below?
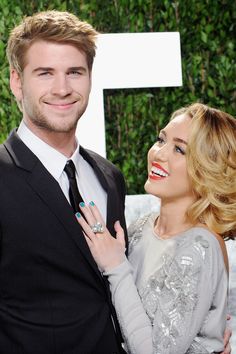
point(70, 169)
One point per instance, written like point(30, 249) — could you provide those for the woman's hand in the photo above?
point(227, 335)
point(108, 252)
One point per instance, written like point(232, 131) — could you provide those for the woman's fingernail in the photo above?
point(78, 215)
point(82, 204)
point(91, 203)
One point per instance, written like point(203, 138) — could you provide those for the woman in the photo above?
point(171, 295)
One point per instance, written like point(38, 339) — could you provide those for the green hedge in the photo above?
point(207, 31)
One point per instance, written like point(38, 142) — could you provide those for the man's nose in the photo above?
point(61, 85)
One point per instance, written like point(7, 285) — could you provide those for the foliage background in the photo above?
point(207, 31)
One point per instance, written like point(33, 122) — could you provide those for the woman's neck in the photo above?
point(172, 220)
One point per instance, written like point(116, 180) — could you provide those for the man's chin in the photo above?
point(56, 128)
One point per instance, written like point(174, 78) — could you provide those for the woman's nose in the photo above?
point(161, 152)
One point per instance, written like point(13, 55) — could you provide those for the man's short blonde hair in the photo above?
point(50, 26)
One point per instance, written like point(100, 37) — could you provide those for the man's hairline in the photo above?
point(20, 73)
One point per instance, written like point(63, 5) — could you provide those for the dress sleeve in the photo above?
point(135, 324)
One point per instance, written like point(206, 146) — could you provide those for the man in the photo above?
point(53, 298)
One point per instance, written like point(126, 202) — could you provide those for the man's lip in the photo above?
point(60, 104)
point(155, 164)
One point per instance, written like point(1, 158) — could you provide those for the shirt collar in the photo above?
point(53, 160)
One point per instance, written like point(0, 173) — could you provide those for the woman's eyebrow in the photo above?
point(179, 140)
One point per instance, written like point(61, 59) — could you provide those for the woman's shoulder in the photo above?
point(203, 235)
point(205, 244)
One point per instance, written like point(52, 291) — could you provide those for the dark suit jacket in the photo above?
point(53, 299)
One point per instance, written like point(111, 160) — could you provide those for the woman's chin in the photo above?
point(148, 187)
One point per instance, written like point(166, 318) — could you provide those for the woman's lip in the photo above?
point(155, 164)
point(155, 177)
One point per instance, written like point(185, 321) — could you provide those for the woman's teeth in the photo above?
point(157, 171)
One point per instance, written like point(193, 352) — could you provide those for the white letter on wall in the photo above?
point(129, 60)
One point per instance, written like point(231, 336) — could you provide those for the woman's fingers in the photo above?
point(89, 242)
point(85, 226)
point(227, 335)
point(91, 221)
point(107, 251)
point(92, 214)
point(88, 215)
point(96, 213)
point(120, 236)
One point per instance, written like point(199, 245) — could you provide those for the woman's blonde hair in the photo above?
point(211, 164)
point(51, 26)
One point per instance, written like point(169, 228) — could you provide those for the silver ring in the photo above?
point(97, 228)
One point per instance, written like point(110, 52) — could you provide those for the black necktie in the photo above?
point(74, 194)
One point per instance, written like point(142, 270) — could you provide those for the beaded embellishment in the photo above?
point(170, 297)
point(170, 294)
point(135, 231)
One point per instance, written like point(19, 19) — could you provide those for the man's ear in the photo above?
point(90, 81)
point(16, 84)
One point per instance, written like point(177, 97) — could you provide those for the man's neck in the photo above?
point(63, 142)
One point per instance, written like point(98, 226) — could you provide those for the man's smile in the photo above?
point(61, 105)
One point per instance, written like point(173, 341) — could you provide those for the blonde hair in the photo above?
point(51, 26)
point(211, 163)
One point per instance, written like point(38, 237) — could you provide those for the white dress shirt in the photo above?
point(54, 161)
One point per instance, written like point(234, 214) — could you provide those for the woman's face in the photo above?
point(167, 171)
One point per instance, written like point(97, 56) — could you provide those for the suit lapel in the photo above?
point(90, 157)
point(49, 192)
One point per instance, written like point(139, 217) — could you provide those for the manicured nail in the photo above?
point(78, 215)
point(82, 204)
point(91, 203)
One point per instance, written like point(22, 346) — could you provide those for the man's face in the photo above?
point(53, 88)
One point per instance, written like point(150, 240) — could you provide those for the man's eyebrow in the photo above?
point(73, 68)
point(77, 68)
point(42, 68)
point(179, 140)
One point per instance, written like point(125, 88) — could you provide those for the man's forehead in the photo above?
point(50, 54)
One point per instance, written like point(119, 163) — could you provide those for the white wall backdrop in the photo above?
point(128, 60)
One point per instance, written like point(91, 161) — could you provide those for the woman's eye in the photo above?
point(159, 140)
point(179, 150)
